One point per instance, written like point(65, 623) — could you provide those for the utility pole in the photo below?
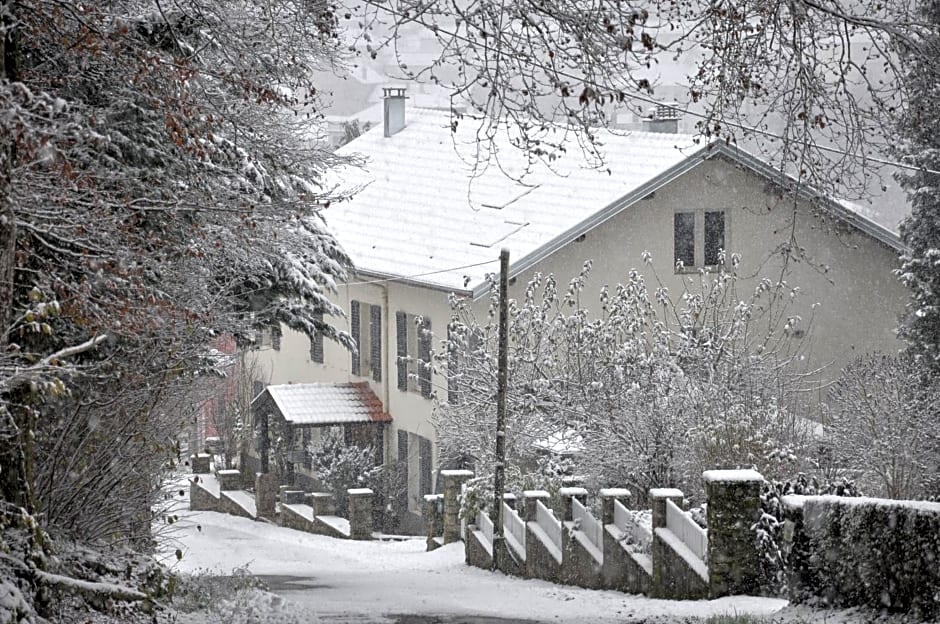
point(501, 383)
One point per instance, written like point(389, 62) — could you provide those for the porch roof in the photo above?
point(328, 403)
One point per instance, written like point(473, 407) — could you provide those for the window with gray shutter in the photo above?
point(401, 337)
point(424, 464)
point(424, 357)
point(316, 342)
point(375, 342)
point(257, 387)
point(276, 336)
point(403, 467)
point(354, 331)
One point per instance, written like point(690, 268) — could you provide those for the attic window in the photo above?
point(700, 236)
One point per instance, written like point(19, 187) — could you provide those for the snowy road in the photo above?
point(344, 581)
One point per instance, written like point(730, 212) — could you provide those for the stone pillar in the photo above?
point(200, 463)
point(434, 518)
point(510, 499)
point(292, 497)
point(658, 498)
point(213, 445)
point(280, 491)
point(608, 496)
point(567, 494)
point(530, 497)
point(322, 503)
point(663, 584)
point(453, 485)
point(266, 494)
point(733, 508)
point(360, 513)
point(229, 479)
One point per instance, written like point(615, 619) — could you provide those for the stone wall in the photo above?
point(201, 499)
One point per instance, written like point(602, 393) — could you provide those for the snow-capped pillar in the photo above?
point(530, 497)
point(360, 513)
point(733, 508)
point(229, 479)
point(608, 496)
point(434, 519)
point(453, 486)
point(663, 579)
point(510, 499)
point(266, 494)
point(322, 503)
point(200, 463)
point(567, 495)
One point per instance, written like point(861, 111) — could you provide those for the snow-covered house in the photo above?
point(433, 214)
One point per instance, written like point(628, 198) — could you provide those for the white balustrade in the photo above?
point(683, 527)
point(514, 525)
point(588, 524)
point(546, 519)
point(636, 533)
point(485, 525)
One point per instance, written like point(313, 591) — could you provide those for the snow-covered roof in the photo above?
point(430, 207)
point(327, 403)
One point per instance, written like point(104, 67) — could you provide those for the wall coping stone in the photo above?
point(614, 493)
point(573, 491)
point(731, 476)
point(456, 473)
point(433, 497)
point(509, 496)
point(536, 494)
point(666, 493)
point(359, 492)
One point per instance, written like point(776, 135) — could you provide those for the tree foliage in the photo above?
point(161, 187)
point(920, 146)
point(810, 84)
point(646, 392)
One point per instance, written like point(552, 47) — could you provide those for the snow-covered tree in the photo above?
point(649, 391)
point(790, 78)
point(920, 146)
point(340, 466)
point(883, 426)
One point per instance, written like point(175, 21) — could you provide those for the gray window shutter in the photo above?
point(375, 341)
point(401, 335)
point(424, 462)
point(257, 387)
point(276, 336)
point(354, 331)
point(403, 467)
point(424, 355)
point(316, 343)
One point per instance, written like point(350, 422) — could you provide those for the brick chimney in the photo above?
point(663, 118)
point(394, 99)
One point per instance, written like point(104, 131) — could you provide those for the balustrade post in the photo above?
point(531, 497)
point(567, 495)
point(608, 496)
point(453, 484)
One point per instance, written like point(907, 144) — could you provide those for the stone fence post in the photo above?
point(434, 518)
point(663, 584)
point(608, 496)
point(453, 484)
point(229, 479)
point(567, 495)
point(360, 513)
point(322, 503)
point(510, 499)
point(733, 508)
point(530, 497)
point(266, 494)
point(200, 463)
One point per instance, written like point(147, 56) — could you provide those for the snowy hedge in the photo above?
point(876, 552)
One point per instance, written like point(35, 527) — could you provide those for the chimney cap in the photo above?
point(393, 92)
point(665, 110)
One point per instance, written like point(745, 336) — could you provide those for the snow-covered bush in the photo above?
point(659, 387)
point(340, 466)
point(883, 425)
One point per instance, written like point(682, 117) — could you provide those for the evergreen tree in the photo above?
point(920, 145)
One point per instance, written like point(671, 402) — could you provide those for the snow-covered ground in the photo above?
point(326, 579)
